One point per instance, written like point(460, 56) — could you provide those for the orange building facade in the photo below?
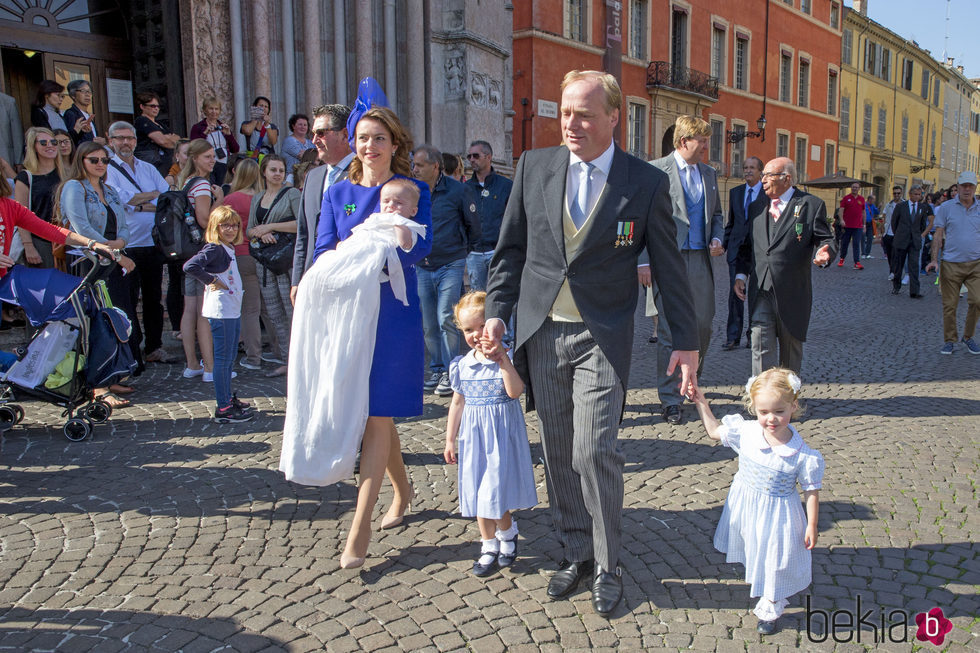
point(727, 61)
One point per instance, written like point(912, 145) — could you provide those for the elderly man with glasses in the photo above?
point(139, 184)
point(775, 260)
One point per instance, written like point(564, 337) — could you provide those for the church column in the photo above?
point(312, 57)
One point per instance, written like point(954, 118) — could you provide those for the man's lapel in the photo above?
point(553, 191)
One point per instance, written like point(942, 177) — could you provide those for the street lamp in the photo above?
point(925, 166)
point(735, 135)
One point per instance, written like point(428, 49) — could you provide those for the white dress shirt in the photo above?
point(600, 173)
point(149, 179)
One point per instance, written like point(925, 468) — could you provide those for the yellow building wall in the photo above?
point(893, 163)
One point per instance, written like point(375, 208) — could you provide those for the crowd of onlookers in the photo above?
point(103, 181)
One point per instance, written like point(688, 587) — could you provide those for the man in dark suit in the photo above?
point(744, 201)
point(577, 218)
point(333, 149)
point(910, 225)
point(696, 209)
point(775, 256)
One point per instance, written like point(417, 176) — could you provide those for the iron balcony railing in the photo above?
point(662, 73)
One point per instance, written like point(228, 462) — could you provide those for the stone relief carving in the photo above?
point(452, 20)
point(212, 52)
point(496, 92)
point(478, 89)
point(455, 73)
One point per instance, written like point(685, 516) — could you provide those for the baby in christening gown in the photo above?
point(333, 338)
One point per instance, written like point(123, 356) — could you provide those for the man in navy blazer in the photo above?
point(696, 209)
point(910, 226)
point(565, 262)
point(744, 201)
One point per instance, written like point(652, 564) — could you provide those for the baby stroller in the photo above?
point(80, 344)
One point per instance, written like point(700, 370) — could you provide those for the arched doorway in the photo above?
point(667, 143)
point(64, 41)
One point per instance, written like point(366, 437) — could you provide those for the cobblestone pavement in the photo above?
point(167, 532)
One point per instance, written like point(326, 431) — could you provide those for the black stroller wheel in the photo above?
point(77, 429)
point(98, 411)
point(20, 412)
point(8, 417)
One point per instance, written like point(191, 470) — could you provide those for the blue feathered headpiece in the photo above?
point(369, 94)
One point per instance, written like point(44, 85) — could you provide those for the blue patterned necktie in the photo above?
point(748, 201)
point(580, 208)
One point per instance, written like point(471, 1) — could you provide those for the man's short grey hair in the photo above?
point(485, 146)
point(432, 154)
point(118, 126)
point(915, 187)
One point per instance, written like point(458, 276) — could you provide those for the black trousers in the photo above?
point(147, 282)
point(175, 294)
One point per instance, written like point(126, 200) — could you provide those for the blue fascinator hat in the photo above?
point(369, 94)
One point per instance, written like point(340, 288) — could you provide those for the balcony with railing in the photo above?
point(665, 75)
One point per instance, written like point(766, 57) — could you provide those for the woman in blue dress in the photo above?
point(381, 147)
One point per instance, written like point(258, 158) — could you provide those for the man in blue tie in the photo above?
point(696, 209)
point(744, 202)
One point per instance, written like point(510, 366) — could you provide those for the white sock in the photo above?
point(506, 539)
point(489, 551)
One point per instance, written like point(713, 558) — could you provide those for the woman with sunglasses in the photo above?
point(34, 189)
point(155, 142)
point(94, 211)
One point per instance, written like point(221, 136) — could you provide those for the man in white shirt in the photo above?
point(139, 184)
point(889, 235)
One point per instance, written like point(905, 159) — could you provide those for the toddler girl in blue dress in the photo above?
point(495, 476)
point(763, 525)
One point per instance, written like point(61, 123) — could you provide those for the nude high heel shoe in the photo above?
point(350, 562)
point(390, 521)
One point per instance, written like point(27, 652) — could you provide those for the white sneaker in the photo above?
point(905, 280)
point(190, 374)
point(209, 376)
point(891, 276)
point(269, 358)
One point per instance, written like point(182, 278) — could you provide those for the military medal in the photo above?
point(799, 232)
point(350, 208)
point(485, 193)
point(624, 234)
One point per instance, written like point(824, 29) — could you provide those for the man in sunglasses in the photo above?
point(491, 192)
point(330, 138)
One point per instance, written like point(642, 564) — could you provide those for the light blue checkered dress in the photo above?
point(495, 473)
point(763, 522)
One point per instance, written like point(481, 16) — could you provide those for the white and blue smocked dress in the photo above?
point(763, 522)
point(494, 457)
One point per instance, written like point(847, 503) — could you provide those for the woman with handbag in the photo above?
point(94, 211)
point(34, 188)
point(272, 239)
point(154, 141)
point(194, 179)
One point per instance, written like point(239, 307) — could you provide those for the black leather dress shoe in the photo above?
point(607, 590)
point(568, 576)
point(766, 627)
point(730, 345)
point(916, 295)
point(672, 415)
point(896, 291)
